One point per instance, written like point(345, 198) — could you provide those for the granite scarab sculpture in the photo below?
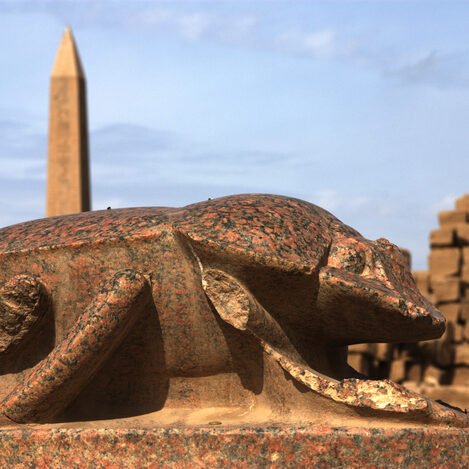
point(238, 308)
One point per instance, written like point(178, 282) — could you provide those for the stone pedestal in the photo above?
point(224, 447)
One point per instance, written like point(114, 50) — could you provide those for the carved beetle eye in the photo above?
point(347, 258)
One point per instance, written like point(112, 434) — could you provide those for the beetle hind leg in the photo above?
point(54, 382)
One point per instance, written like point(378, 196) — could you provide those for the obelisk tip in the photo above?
point(67, 61)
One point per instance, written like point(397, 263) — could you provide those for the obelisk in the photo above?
point(68, 185)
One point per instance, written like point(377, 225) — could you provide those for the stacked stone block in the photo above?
point(446, 284)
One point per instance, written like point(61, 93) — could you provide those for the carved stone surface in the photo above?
point(438, 369)
point(231, 312)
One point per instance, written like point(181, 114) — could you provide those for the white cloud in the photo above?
point(319, 44)
point(193, 26)
point(434, 68)
point(446, 203)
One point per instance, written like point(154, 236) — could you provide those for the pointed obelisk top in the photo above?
point(67, 61)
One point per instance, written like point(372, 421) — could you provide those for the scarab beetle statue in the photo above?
point(234, 309)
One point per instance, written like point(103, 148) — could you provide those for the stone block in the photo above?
point(450, 311)
point(414, 372)
point(458, 333)
point(359, 348)
point(465, 255)
point(397, 370)
point(461, 375)
point(462, 203)
point(445, 262)
point(432, 375)
point(442, 237)
point(443, 350)
point(464, 311)
point(383, 352)
point(461, 356)
point(446, 289)
point(355, 361)
point(465, 273)
point(462, 234)
point(453, 217)
point(421, 278)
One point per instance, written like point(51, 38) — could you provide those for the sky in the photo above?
point(359, 107)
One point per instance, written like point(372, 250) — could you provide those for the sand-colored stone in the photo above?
point(458, 333)
point(443, 237)
point(465, 330)
point(464, 312)
point(462, 234)
point(462, 355)
point(68, 168)
point(445, 262)
point(462, 203)
point(446, 289)
point(450, 311)
point(432, 375)
point(397, 371)
point(465, 273)
point(449, 218)
point(465, 255)
point(461, 377)
point(414, 372)
point(421, 278)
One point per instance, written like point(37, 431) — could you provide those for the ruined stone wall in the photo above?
point(438, 368)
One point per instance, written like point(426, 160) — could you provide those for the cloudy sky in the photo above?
point(360, 107)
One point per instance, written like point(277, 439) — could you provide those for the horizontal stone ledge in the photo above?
point(217, 447)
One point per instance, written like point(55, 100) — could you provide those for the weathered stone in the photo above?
point(407, 257)
point(450, 311)
point(397, 370)
point(68, 184)
point(359, 348)
point(458, 333)
point(462, 203)
point(451, 218)
point(414, 372)
point(465, 273)
point(432, 375)
point(461, 375)
point(220, 447)
point(465, 255)
point(445, 262)
point(462, 355)
point(464, 312)
point(443, 237)
point(201, 299)
point(446, 289)
point(444, 348)
point(422, 279)
point(462, 234)
point(355, 361)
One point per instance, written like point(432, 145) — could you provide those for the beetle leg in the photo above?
point(56, 380)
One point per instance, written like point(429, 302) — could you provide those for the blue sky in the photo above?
point(360, 107)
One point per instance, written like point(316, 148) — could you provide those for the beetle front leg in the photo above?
point(56, 380)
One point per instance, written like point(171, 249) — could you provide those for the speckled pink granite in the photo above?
point(235, 447)
point(245, 303)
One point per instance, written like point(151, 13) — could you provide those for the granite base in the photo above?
point(217, 447)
